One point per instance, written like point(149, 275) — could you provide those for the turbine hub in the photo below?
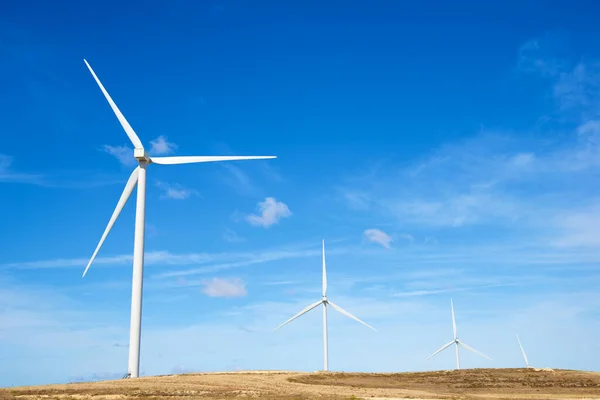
point(141, 155)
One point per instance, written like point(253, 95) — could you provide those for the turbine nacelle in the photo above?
point(141, 155)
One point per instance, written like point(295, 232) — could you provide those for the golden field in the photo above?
point(526, 383)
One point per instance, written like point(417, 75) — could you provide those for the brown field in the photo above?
point(278, 385)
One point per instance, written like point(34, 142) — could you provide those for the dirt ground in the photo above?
point(492, 384)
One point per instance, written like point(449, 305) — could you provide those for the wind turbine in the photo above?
point(523, 351)
point(456, 342)
point(325, 302)
point(138, 176)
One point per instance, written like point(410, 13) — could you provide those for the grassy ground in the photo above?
point(271, 385)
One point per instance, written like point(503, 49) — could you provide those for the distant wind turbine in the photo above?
point(138, 176)
point(456, 342)
point(523, 351)
point(325, 301)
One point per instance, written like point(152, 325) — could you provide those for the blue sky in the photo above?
point(441, 151)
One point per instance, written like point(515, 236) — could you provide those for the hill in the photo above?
point(278, 385)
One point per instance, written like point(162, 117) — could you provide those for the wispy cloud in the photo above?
point(539, 187)
point(8, 175)
point(270, 212)
point(151, 257)
point(161, 146)
point(244, 177)
point(243, 260)
point(175, 191)
point(229, 235)
point(238, 179)
point(378, 236)
point(122, 153)
point(429, 292)
point(210, 262)
point(574, 84)
point(221, 287)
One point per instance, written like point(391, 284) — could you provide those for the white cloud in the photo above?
point(379, 237)
point(161, 145)
point(271, 211)
point(122, 153)
point(221, 287)
point(175, 191)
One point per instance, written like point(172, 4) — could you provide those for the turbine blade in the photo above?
point(324, 272)
point(347, 314)
point(523, 351)
point(453, 319)
point(473, 350)
point(307, 309)
point(128, 129)
point(199, 159)
point(441, 349)
point(133, 178)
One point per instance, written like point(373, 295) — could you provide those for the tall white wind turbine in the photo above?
point(138, 176)
point(456, 342)
point(523, 352)
point(325, 302)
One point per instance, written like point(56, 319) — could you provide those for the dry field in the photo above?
point(278, 385)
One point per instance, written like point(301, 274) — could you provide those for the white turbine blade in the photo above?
point(473, 350)
point(324, 272)
point(307, 309)
point(523, 351)
point(453, 319)
point(133, 178)
point(128, 129)
point(347, 314)
point(200, 159)
point(441, 349)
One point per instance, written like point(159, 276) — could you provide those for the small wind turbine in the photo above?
point(138, 176)
point(456, 342)
point(325, 301)
point(523, 351)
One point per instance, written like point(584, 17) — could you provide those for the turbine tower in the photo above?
point(138, 176)
point(456, 342)
point(523, 351)
point(325, 302)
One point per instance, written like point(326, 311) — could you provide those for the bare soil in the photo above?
point(278, 385)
